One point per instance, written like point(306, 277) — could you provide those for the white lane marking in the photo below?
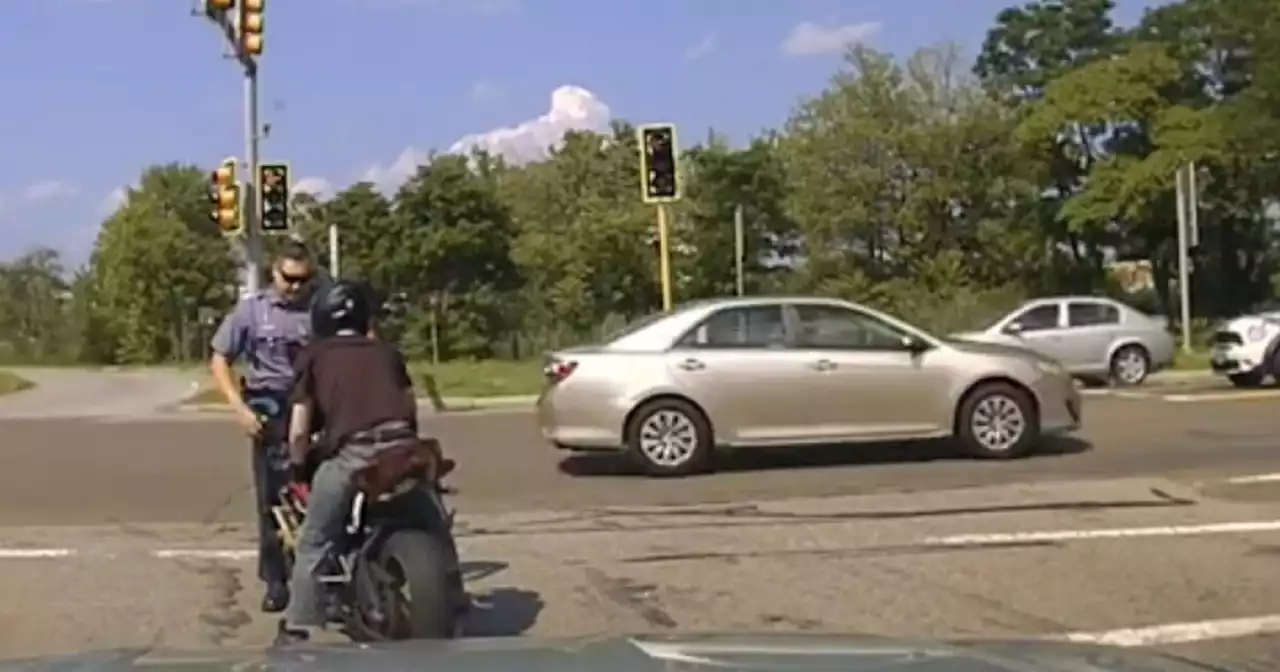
point(995, 538)
point(1244, 395)
point(1180, 633)
point(1255, 478)
point(205, 554)
point(31, 553)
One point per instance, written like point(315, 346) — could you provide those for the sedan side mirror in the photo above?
point(914, 345)
point(1013, 328)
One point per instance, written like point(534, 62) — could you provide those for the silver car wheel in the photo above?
point(1131, 366)
point(668, 438)
point(998, 423)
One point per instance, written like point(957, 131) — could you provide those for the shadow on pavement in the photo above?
point(481, 569)
point(503, 612)
point(846, 455)
point(500, 612)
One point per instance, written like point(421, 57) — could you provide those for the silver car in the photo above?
point(795, 371)
point(1094, 338)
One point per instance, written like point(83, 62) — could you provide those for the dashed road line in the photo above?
point(1000, 538)
point(1180, 633)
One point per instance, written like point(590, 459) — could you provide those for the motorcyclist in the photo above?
point(267, 329)
point(360, 388)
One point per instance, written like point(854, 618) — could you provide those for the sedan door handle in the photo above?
point(692, 365)
point(824, 365)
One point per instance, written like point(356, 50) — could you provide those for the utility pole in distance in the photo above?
point(241, 22)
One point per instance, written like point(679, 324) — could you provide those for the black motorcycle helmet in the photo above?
point(341, 306)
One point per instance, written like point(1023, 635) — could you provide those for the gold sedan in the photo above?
point(795, 371)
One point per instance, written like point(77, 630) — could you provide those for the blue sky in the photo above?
point(95, 90)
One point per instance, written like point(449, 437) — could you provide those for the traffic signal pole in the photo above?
point(664, 257)
point(252, 227)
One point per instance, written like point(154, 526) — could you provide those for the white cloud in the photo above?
point(316, 186)
point(703, 48)
point(113, 201)
point(813, 39)
point(573, 108)
point(48, 190)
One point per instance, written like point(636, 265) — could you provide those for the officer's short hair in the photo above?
point(294, 250)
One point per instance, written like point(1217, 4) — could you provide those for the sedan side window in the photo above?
point(1039, 318)
point(748, 327)
point(1082, 314)
point(834, 328)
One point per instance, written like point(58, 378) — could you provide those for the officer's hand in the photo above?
point(249, 421)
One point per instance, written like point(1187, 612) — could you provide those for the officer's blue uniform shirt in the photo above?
point(268, 331)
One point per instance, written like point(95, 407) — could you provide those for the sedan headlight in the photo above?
point(1051, 368)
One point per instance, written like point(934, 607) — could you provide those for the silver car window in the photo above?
point(840, 328)
point(744, 327)
point(1091, 313)
point(1039, 318)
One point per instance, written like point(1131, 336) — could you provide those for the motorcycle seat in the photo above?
point(416, 458)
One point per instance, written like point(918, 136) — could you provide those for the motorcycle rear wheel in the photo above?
point(419, 594)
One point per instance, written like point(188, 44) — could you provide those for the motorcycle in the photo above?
point(394, 574)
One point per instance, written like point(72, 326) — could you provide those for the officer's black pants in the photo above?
point(269, 458)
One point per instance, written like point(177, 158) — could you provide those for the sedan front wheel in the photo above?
point(997, 421)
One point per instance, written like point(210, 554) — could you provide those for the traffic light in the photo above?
point(224, 199)
point(658, 172)
point(273, 198)
point(250, 26)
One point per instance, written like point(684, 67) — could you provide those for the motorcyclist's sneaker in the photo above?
point(286, 636)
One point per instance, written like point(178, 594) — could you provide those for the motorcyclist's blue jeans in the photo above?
point(328, 507)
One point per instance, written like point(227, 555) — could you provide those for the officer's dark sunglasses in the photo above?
point(295, 279)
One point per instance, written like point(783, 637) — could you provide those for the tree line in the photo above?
point(940, 188)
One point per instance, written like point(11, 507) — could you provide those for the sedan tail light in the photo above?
point(557, 370)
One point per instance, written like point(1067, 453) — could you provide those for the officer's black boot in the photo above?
point(276, 598)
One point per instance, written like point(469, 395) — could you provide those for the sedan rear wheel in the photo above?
point(670, 437)
point(997, 421)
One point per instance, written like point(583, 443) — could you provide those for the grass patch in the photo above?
point(488, 378)
point(12, 382)
point(1190, 361)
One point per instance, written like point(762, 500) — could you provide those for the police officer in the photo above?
point(268, 329)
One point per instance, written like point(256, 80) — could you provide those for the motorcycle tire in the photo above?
point(422, 562)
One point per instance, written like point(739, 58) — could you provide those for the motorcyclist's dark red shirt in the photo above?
point(354, 383)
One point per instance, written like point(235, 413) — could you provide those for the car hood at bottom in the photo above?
point(644, 653)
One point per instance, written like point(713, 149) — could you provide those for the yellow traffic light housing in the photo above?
point(217, 9)
point(250, 26)
point(273, 197)
point(659, 158)
point(224, 199)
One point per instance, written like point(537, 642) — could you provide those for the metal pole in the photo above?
point(739, 249)
point(1184, 272)
point(333, 250)
point(1193, 207)
point(252, 228)
point(664, 257)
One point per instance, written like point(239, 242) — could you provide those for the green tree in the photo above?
point(158, 260)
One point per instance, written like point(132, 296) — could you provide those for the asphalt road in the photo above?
point(196, 469)
point(117, 533)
